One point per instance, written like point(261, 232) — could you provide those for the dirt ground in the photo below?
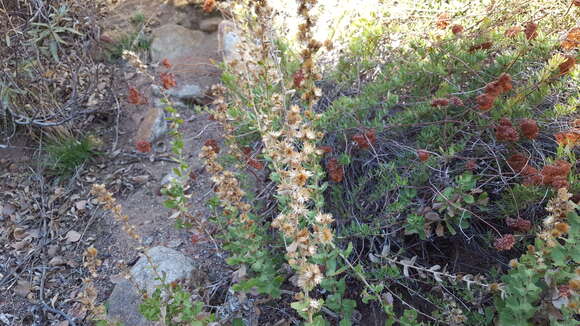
point(46, 224)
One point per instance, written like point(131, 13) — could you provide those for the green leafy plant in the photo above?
point(174, 306)
point(65, 156)
point(49, 36)
point(454, 202)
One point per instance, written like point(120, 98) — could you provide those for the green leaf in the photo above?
point(469, 199)
point(238, 322)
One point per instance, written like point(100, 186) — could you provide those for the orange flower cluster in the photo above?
point(212, 143)
point(505, 243)
point(531, 30)
point(298, 78)
point(168, 80)
point(454, 100)
point(554, 175)
point(519, 224)
point(250, 160)
point(568, 138)
point(423, 155)
point(326, 149)
point(568, 65)
point(518, 162)
point(366, 139)
point(335, 170)
point(166, 63)
point(493, 90)
point(442, 21)
point(572, 39)
point(439, 102)
point(135, 97)
point(481, 46)
point(529, 128)
point(505, 131)
point(457, 29)
point(513, 31)
point(208, 6)
point(143, 146)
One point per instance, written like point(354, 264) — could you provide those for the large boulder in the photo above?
point(174, 43)
point(123, 304)
point(169, 262)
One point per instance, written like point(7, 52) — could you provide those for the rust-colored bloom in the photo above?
point(212, 143)
point(531, 30)
point(556, 174)
point(506, 242)
point(568, 65)
point(165, 63)
point(168, 80)
point(442, 20)
point(572, 40)
point(326, 149)
point(366, 139)
point(208, 6)
point(143, 146)
point(456, 29)
point(517, 162)
point(481, 46)
point(485, 102)
point(439, 102)
point(505, 131)
point(423, 155)
point(135, 97)
point(513, 31)
point(519, 224)
point(335, 170)
point(568, 138)
point(298, 78)
point(255, 163)
point(529, 128)
point(454, 100)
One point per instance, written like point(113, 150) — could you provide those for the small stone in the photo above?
point(73, 236)
point(148, 241)
point(57, 261)
point(7, 210)
point(153, 125)
point(186, 92)
point(140, 178)
point(210, 25)
point(52, 251)
point(22, 288)
point(174, 243)
point(81, 205)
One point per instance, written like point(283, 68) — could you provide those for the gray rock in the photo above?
point(174, 42)
point(175, 265)
point(123, 306)
point(229, 39)
point(210, 25)
point(153, 125)
point(125, 300)
point(186, 92)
